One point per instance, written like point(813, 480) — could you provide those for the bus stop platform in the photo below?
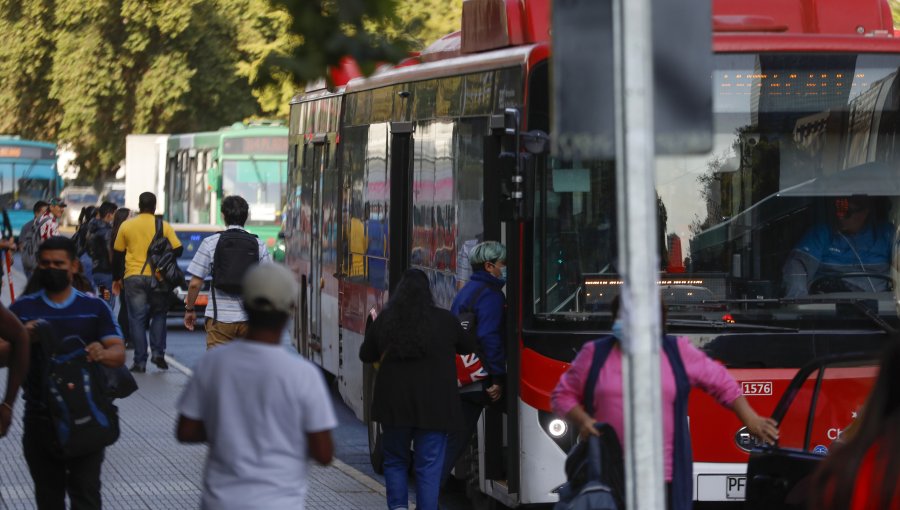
point(148, 469)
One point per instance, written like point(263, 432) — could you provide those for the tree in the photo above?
point(328, 30)
point(88, 73)
point(26, 58)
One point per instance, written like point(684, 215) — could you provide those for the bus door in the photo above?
point(316, 279)
point(400, 226)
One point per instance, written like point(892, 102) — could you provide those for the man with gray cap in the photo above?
point(263, 410)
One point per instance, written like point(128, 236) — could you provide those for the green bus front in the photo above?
point(253, 165)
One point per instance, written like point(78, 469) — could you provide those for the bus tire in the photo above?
point(376, 451)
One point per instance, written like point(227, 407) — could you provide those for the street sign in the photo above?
point(583, 82)
point(583, 87)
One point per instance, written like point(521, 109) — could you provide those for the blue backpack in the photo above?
point(75, 392)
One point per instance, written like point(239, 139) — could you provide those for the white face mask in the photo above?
point(503, 273)
point(618, 330)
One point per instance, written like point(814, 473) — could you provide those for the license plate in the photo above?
point(735, 486)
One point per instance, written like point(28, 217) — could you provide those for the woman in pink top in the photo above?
point(701, 371)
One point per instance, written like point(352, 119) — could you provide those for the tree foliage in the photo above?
point(90, 72)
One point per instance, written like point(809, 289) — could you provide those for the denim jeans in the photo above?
point(144, 303)
point(104, 281)
point(429, 448)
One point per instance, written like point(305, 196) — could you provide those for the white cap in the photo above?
point(270, 287)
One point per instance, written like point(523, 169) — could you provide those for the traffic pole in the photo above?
point(638, 253)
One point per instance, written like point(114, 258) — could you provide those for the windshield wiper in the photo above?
point(722, 325)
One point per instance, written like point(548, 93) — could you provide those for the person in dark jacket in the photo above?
point(484, 295)
point(415, 400)
point(98, 240)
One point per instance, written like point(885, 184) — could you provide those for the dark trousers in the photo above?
point(55, 476)
point(457, 440)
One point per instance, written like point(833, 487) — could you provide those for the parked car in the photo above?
point(821, 401)
point(191, 235)
point(77, 198)
point(114, 192)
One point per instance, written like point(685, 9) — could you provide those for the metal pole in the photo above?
point(638, 254)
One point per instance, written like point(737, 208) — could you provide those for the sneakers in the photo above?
point(160, 362)
point(138, 369)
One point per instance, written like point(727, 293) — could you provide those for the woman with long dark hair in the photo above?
point(416, 399)
point(864, 472)
point(122, 214)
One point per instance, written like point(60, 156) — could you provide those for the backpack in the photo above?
point(76, 395)
point(98, 246)
point(163, 262)
point(236, 252)
point(587, 487)
point(29, 245)
point(469, 368)
point(80, 238)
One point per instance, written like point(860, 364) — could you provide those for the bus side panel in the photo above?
point(359, 303)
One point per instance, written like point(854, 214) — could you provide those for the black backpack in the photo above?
point(163, 262)
point(236, 252)
point(76, 395)
point(469, 368)
point(98, 245)
point(593, 468)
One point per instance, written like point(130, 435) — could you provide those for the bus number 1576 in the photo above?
point(756, 388)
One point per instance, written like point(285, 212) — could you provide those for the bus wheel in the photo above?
point(376, 453)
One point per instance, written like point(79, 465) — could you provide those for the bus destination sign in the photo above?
point(25, 152)
point(256, 145)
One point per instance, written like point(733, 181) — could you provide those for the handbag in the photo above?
point(120, 383)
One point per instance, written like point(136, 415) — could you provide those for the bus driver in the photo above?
point(851, 254)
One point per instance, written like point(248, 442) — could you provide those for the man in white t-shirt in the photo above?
point(263, 410)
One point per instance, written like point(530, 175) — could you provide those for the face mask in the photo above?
point(617, 329)
point(503, 273)
point(54, 280)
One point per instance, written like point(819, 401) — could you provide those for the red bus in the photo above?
point(407, 167)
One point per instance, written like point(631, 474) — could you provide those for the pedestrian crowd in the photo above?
point(265, 414)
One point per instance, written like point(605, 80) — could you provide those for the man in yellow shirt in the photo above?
point(146, 304)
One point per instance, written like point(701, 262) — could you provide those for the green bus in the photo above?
point(245, 160)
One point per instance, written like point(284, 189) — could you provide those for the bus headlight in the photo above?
point(557, 428)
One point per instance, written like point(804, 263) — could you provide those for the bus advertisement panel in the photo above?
point(775, 246)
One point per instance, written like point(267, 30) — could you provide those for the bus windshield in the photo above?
point(21, 193)
point(788, 221)
point(260, 183)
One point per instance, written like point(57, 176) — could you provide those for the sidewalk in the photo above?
point(148, 469)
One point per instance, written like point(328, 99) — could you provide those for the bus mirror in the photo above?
point(536, 141)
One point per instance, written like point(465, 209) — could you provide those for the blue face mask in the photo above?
point(617, 329)
point(503, 273)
